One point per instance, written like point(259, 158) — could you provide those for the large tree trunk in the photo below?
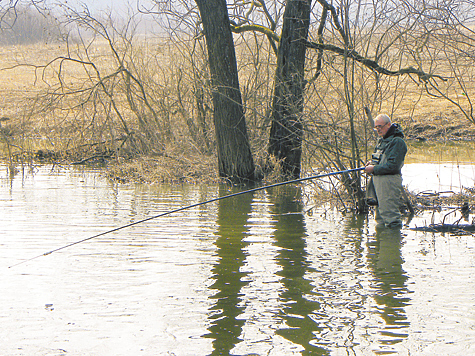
point(285, 142)
point(234, 153)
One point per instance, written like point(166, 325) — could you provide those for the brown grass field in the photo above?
point(41, 119)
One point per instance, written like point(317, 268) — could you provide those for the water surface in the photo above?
point(257, 274)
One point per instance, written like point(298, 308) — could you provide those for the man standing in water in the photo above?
point(385, 166)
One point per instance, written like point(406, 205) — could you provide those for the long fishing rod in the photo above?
point(189, 207)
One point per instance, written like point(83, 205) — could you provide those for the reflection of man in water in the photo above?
point(385, 186)
point(390, 280)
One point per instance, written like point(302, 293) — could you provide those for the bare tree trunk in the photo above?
point(234, 153)
point(285, 142)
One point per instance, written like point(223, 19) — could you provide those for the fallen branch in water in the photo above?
point(450, 202)
point(452, 228)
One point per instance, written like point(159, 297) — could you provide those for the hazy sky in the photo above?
point(118, 9)
point(107, 5)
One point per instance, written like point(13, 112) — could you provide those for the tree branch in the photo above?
point(257, 28)
point(373, 65)
point(334, 14)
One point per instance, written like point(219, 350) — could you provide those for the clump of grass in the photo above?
point(164, 169)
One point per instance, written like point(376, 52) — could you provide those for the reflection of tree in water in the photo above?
point(232, 220)
point(390, 280)
point(290, 234)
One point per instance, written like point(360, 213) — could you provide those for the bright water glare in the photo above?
point(257, 274)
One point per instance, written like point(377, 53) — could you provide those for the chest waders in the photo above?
point(385, 192)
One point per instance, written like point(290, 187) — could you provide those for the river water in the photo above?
point(256, 274)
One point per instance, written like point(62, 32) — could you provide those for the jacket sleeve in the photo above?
point(394, 158)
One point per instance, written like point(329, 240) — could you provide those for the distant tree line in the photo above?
point(26, 25)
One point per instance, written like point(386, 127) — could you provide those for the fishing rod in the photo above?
point(189, 207)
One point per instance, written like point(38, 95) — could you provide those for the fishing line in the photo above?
point(189, 207)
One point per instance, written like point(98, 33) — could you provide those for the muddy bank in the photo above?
point(444, 131)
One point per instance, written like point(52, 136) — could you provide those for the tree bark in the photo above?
point(234, 153)
point(285, 141)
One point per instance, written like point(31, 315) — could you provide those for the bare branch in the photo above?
point(373, 65)
point(336, 21)
point(256, 28)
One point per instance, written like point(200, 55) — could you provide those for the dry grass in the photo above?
point(164, 169)
point(21, 82)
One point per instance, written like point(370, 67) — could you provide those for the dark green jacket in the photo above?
point(389, 153)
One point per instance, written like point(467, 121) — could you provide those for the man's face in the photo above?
point(381, 127)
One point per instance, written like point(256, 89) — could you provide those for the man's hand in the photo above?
point(369, 168)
